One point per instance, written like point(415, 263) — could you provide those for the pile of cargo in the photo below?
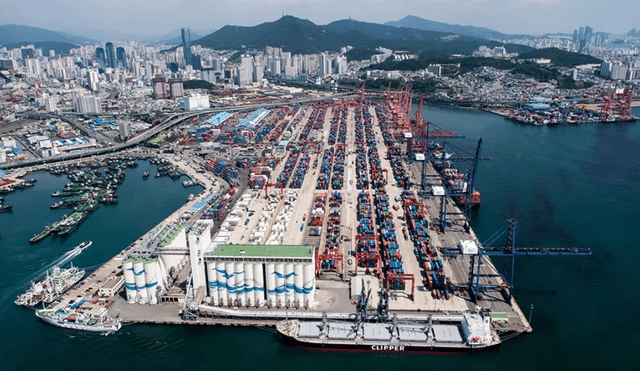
point(301, 170)
point(337, 179)
point(366, 242)
point(391, 256)
point(399, 172)
point(332, 241)
point(214, 212)
point(317, 215)
point(282, 221)
point(338, 129)
point(378, 179)
point(427, 256)
point(361, 169)
point(284, 176)
point(315, 122)
point(325, 169)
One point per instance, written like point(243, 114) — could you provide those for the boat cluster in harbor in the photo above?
point(6, 190)
point(89, 185)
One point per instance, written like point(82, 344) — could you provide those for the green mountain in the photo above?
point(23, 35)
point(411, 21)
point(302, 36)
point(59, 47)
point(289, 33)
point(561, 58)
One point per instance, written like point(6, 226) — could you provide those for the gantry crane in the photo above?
point(483, 280)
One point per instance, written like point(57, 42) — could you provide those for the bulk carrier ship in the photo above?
point(378, 333)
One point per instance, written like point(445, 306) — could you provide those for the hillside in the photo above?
point(418, 23)
point(58, 47)
point(289, 33)
point(14, 34)
point(301, 36)
point(561, 58)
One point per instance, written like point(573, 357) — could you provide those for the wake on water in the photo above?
point(65, 258)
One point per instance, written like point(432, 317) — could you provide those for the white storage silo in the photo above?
point(129, 280)
point(230, 269)
point(289, 292)
point(162, 273)
point(212, 282)
point(309, 284)
point(249, 284)
point(271, 283)
point(151, 279)
point(258, 284)
point(298, 284)
point(141, 284)
point(222, 283)
point(240, 284)
point(280, 284)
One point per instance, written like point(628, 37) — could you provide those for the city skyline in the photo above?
point(144, 18)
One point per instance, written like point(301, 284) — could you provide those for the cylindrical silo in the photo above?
point(141, 284)
point(249, 284)
point(222, 283)
point(280, 284)
point(240, 284)
point(271, 283)
point(162, 273)
point(289, 283)
point(212, 282)
point(309, 284)
point(230, 269)
point(298, 284)
point(258, 284)
point(151, 278)
point(129, 280)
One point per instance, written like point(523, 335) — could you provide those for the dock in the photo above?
point(332, 287)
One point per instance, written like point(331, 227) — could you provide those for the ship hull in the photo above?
point(75, 326)
point(349, 347)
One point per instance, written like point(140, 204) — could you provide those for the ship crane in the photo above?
point(483, 280)
point(266, 189)
point(467, 193)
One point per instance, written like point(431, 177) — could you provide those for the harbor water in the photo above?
point(568, 186)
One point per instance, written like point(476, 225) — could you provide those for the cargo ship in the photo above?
point(50, 289)
point(453, 334)
point(72, 317)
point(70, 223)
point(385, 333)
point(45, 232)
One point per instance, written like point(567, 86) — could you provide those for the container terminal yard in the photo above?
point(347, 219)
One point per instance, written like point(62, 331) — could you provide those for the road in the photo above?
point(168, 123)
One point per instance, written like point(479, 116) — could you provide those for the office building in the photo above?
point(110, 54)
point(121, 57)
point(186, 45)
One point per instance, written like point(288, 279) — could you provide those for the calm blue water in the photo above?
point(567, 186)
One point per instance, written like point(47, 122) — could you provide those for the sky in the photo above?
point(160, 17)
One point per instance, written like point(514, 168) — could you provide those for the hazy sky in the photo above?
point(158, 17)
